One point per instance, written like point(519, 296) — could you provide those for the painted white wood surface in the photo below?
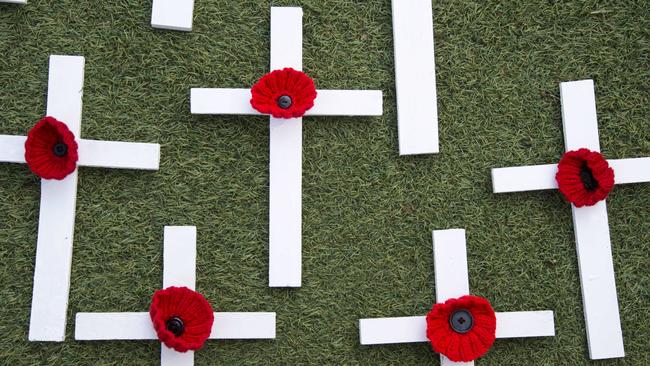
point(285, 160)
point(413, 329)
point(450, 264)
point(57, 210)
point(415, 77)
point(58, 198)
point(327, 103)
point(591, 228)
point(285, 155)
point(14, 1)
point(179, 269)
point(172, 14)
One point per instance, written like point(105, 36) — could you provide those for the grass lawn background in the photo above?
point(368, 213)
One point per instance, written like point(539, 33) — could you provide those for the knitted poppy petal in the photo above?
point(40, 146)
point(462, 347)
point(191, 308)
point(286, 82)
point(584, 177)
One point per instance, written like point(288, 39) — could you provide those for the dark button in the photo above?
point(60, 149)
point(284, 102)
point(587, 178)
point(176, 326)
point(461, 321)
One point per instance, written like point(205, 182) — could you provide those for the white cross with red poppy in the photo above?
point(451, 276)
point(590, 224)
point(179, 269)
point(285, 159)
point(58, 197)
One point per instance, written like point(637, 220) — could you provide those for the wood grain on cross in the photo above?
point(179, 269)
point(452, 281)
point(58, 197)
point(590, 224)
point(285, 158)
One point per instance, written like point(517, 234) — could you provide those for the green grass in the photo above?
point(368, 213)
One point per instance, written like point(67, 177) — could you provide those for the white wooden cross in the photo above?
point(450, 264)
point(415, 77)
point(179, 269)
point(285, 181)
point(58, 197)
point(172, 14)
point(590, 224)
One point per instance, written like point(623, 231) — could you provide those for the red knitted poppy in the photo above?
point(584, 177)
point(51, 150)
point(284, 93)
point(462, 347)
point(181, 317)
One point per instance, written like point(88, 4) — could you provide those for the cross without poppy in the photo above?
point(460, 327)
point(585, 179)
point(179, 317)
point(286, 94)
point(53, 149)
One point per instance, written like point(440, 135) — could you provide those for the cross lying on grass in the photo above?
point(179, 269)
point(285, 165)
point(451, 274)
point(590, 223)
point(58, 197)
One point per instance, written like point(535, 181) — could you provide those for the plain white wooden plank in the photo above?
point(327, 103)
point(119, 155)
point(14, 1)
point(12, 149)
point(221, 101)
point(137, 326)
point(522, 324)
point(170, 357)
point(285, 160)
point(579, 115)
point(179, 257)
point(415, 77)
point(113, 326)
point(57, 211)
point(172, 14)
point(450, 261)
point(229, 325)
point(600, 303)
point(626, 171)
point(347, 103)
point(524, 178)
point(407, 329)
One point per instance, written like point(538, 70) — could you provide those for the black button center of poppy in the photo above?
point(60, 149)
point(176, 326)
point(587, 178)
point(284, 102)
point(461, 321)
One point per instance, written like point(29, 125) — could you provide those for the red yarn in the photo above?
point(462, 347)
point(40, 145)
point(191, 308)
point(287, 82)
point(584, 177)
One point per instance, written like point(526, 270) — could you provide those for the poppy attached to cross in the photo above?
point(53, 150)
point(285, 165)
point(460, 327)
point(585, 179)
point(179, 317)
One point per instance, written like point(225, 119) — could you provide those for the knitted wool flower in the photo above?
point(181, 317)
point(285, 93)
point(462, 329)
point(51, 149)
point(584, 177)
